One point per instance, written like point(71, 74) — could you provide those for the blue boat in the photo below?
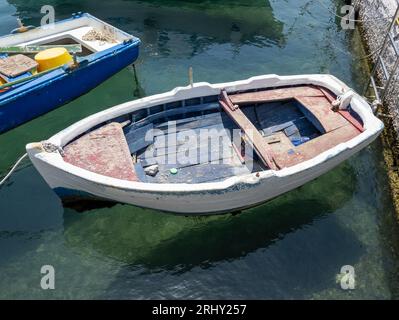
point(98, 51)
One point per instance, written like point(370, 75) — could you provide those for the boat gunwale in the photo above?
point(372, 126)
point(77, 16)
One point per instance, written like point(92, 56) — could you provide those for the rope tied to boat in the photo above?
point(14, 167)
point(45, 145)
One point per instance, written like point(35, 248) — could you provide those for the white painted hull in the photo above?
point(232, 194)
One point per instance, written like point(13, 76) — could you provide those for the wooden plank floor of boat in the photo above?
point(209, 160)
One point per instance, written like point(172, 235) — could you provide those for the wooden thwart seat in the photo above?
point(253, 135)
point(103, 151)
point(71, 48)
point(275, 95)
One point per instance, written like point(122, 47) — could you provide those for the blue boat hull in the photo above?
point(58, 87)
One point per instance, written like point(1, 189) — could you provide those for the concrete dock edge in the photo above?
point(374, 18)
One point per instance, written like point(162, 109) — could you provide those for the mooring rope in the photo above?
point(12, 169)
point(45, 145)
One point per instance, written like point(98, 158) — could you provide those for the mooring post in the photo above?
point(138, 91)
point(136, 80)
point(134, 72)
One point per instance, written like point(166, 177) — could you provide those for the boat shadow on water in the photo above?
point(136, 236)
point(161, 23)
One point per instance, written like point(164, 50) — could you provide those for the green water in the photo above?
point(292, 247)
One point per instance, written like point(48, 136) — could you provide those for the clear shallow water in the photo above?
point(292, 247)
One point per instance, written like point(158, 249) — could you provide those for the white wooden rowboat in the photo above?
point(273, 134)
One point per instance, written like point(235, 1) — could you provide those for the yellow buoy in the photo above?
point(52, 58)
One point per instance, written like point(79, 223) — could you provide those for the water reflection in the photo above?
point(271, 260)
point(137, 236)
point(22, 222)
point(191, 26)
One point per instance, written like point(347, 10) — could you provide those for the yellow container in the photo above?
point(52, 58)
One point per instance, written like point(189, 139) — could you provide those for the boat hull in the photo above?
point(61, 86)
point(238, 197)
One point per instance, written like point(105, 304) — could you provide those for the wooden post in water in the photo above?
point(138, 91)
point(190, 76)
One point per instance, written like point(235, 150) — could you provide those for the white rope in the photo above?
point(12, 169)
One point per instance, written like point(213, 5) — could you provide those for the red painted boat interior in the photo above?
point(337, 127)
point(104, 151)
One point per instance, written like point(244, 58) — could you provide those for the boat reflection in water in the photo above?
point(184, 27)
point(137, 236)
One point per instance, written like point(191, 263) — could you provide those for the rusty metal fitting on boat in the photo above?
point(51, 147)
